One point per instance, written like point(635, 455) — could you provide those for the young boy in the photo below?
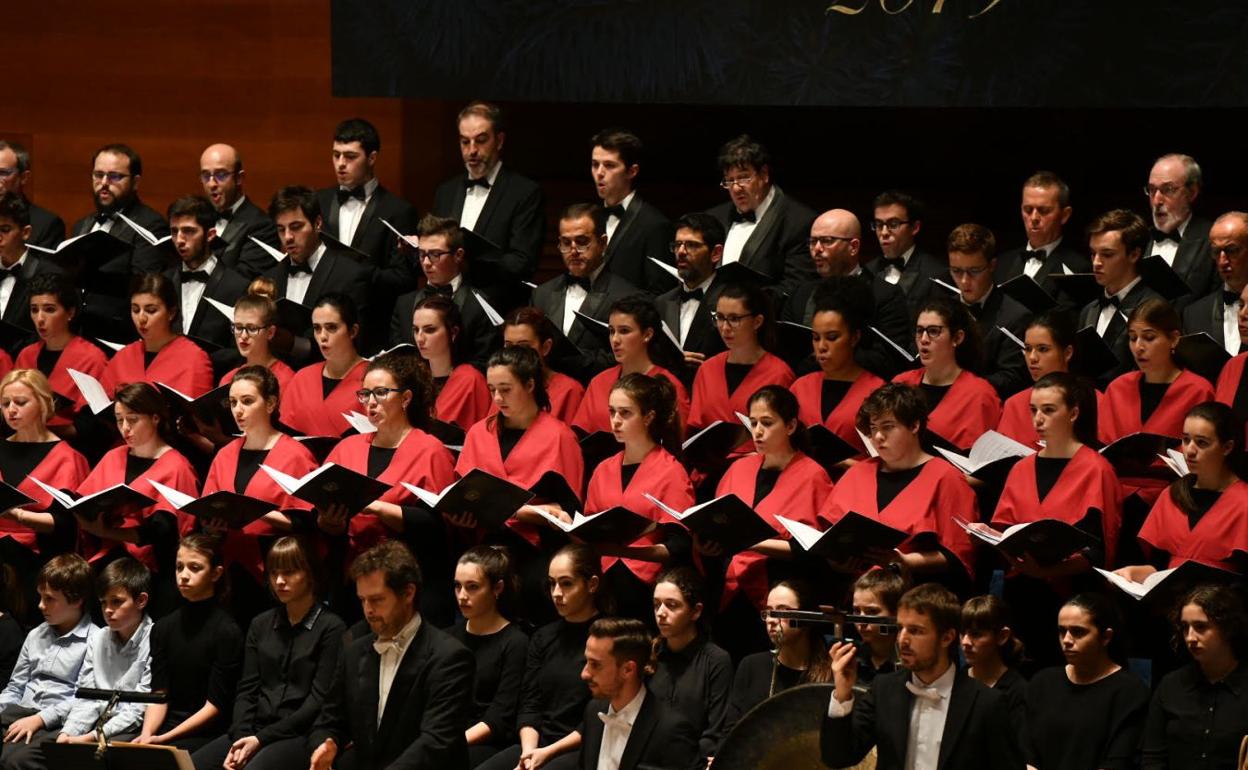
point(41, 690)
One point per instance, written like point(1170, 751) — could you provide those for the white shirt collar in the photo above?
point(703, 285)
point(370, 187)
point(21, 260)
point(943, 684)
point(238, 204)
point(1124, 291)
point(1183, 225)
point(761, 209)
point(492, 175)
point(856, 271)
point(1046, 248)
point(628, 200)
point(315, 259)
point(630, 711)
point(209, 265)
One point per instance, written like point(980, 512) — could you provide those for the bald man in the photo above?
point(238, 219)
point(1217, 312)
point(835, 242)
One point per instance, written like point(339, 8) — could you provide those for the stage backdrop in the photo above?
point(901, 53)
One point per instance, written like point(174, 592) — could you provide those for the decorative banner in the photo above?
point(912, 53)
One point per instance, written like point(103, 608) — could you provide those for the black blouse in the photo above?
point(19, 458)
point(1048, 469)
point(197, 655)
point(1194, 724)
point(832, 394)
point(249, 461)
point(934, 394)
point(554, 697)
point(46, 360)
point(501, 658)
point(1084, 726)
point(735, 374)
point(1151, 395)
point(889, 484)
point(753, 684)
point(697, 684)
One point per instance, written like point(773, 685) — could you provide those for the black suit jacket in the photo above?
point(337, 271)
point(17, 312)
point(46, 229)
point(703, 337)
point(142, 257)
point(512, 220)
point(977, 733)
point(478, 339)
point(916, 281)
point(1010, 264)
point(225, 286)
point(427, 710)
point(238, 251)
point(1004, 364)
point(660, 738)
point(593, 351)
point(890, 315)
point(642, 233)
point(1116, 333)
point(391, 268)
point(1206, 315)
point(778, 247)
point(1193, 261)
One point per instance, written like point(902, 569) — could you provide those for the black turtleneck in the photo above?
point(697, 683)
point(197, 655)
point(554, 697)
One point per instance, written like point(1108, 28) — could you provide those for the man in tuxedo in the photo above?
point(1179, 237)
point(1046, 210)
point(497, 204)
point(1217, 313)
point(765, 230)
point(238, 219)
point(625, 727)
point(897, 219)
point(586, 287)
point(441, 256)
point(927, 715)
point(311, 267)
point(687, 309)
point(835, 245)
point(1117, 239)
point(46, 229)
point(636, 231)
point(18, 265)
point(402, 696)
point(202, 276)
point(1001, 319)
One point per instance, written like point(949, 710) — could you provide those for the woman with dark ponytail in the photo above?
point(528, 327)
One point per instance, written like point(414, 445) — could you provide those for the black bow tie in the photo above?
point(747, 216)
point(470, 183)
point(354, 192)
point(12, 270)
point(104, 217)
point(1105, 301)
point(694, 294)
point(1037, 255)
point(226, 214)
point(617, 211)
point(976, 310)
point(1229, 297)
point(896, 262)
point(195, 275)
point(1159, 236)
point(570, 280)
point(446, 290)
point(300, 267)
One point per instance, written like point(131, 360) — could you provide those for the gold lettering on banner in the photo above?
point(845, 9)
point(937, 7)
point(902, 9)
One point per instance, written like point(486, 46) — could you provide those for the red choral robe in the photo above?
point(281, 371)
point(565, 396)
point(801, 490)
point(970, 408)
point(1088, 481)
point(1016, 421)
point(927, 505)
point(1229, 380)
point(306, 410)
point(593, 415)
point(842, 419)
point(62, 468)
point(711, 400)
point(547, 445)
point(170, 469)
point(420, 460)
point(78, 354)
point(288, 456)
point(1219, 532)
point(464, 399)
point(659, 474)
point(182, 365)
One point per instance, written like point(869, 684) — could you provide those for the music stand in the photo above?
point(121, 755)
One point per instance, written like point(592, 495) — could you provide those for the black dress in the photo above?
point(1193, 723)
point(1084, 726)
point(697, 684)
point(753, 685)
point(501, 658)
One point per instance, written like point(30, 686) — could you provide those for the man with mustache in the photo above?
point(1216, 313)
point(1178, 236)
point(46, 228)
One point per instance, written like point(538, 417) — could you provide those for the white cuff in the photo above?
point(836, 709)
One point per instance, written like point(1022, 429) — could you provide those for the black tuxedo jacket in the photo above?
point(142, 257)
point(890, 315)
point(238, 251)
point(593, 351)
point(389, 268)
point(703, 337)
point(1004, 364)
point(46, 229)
point(660, 738)
point(17, 312)
point(778, 247)
point(1010, 264)
point(511, 219)
point(642, 233)
point(977, 733)
point(1193, 261)
point(427, 711)
point(337, 271)
point(1116, 333)
point(479, 337)
point(1204, 315)
point(916, 281)
point(225, 286)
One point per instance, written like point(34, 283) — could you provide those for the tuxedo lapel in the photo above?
point(1216, 329)
point(320, 277)
point(370, 690)
point(671, 314)
point(370, 210)
point(621, 229)
point(203, 308)
point(331, 217)
point(961, 701)
point(750, 252)
point(640, 734)
point(492, 200)
point(909, 276)
point(410, 668)
point(896, 727)
point(461, 192)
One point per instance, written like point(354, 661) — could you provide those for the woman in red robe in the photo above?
point(462, 396)
point(255, 324)
point(831, 396)
point(636, 334)
point(54, 302)
point(149, 534)
point(961, 404)
point(725, 382)
point(908, 489)
point(529, 327)
point(321, 393)
point(396, 393)
point(160, 355)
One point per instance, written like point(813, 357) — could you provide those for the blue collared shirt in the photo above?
point(46, 673)
point(113, 665)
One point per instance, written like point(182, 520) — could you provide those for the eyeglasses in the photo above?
point(377, 394)
point(973, 272)
point(431, 255)
point(826, 241)
point(114, 177)
point(733, 321)
point(888, 224)
point(676, 246)
point(740, 181)
point(580, 244)
point(248, 330)
point(1167, 190)
point(215, 176)
point(932, 332)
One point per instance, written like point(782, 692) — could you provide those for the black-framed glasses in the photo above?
point(826, 241)
point(580, 244)
point(888, 224)
point(733, 321)
point(740, 181)
point(676, 246)
point(248, 330)
point(377, 394)
point(433, 255)
point(1168, 190)
point(962, 272)
point(933, 332)
point(215, 176)
point(115, 177)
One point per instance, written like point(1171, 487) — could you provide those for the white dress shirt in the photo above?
point(1230, 324)
point(106, 225)
point(740, 232)
point(689, 308)
point(573, 298)
point(350, 211)
point(46, 673)
point(222, 223)
point(1168, 249)
point(193, 292)
point(616, 727)
point(1107, 312)
point(928, 710)
point(892, 274)
point(1032, 265)
point(112, 664)
point(475, 197)
point(9, 282)
point(297, 283)
point(391, 652)
point(613, 221)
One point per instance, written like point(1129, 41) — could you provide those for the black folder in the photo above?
point(333, 243)
point(1049, 541)
point(709, 448)
point(725, 520)
point(293, 316)
point(735, 272)
point(553, 487)
point(1202, 354)
point(1029, 294)
point(118, 497)
point(599, 446)
point(1164, 588)
point(1093, 356)
point(616, 526)
point(490, 499)
point(1162, 279)
point(211, 408)
point(333, 484)
point(89, 250)
point(448, 433)
point(848, 538)
point(12, 497)
point(1135, 453)
point(236, 510)
point(118, 756)
point(1080, 287)
point(827, 448)
point(793, 341)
